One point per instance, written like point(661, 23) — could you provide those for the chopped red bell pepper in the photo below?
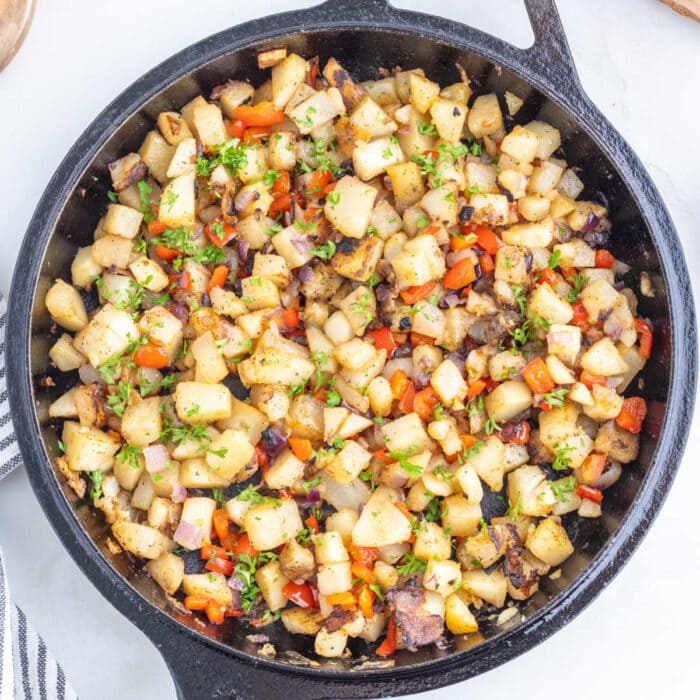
point(151, 355)
point(219, 232)
point(383, 340)
point(537, 377)
point(518, 433)
point(242, 545)
point(646, 337)
point(283, 183)
point(365, 601)
point(262, 114)
point(590, 493)
point(590, 380)
point(236, 128)
point(604, 258)
point(405, 404)
point(460, 275)
point(388, 646)
point(300, 594)
point(593, 466)
point(632, 414)
point(425, 401)
point(412, 295)
point(580, 318)
point(312, 523)
point(167, 254)
point(218, 277)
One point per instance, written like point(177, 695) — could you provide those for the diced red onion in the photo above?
point(302, 245)
point(619, 286)
point(613, 328)
point(314, 496)
point(258, 638)
point(620, 268)
point(383, 292)
point(557, 337)
point(273, 442)
point(397, 480)
point(449, 302)
point(456, 255)
point(236, 584)
point(156, 457)
point(179, 493)
point(457, 359)
point(243, 199)
point(89, 375)
point(188, 535)
point(610, 476)
point(242, 247)
point(293, 288)
point(562, 234)
point(180, 311)
point(591, 222)
point(421, 378)
point(305, 273)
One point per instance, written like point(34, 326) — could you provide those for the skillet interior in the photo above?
point(631, 242)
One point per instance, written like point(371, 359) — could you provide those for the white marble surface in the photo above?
point(638, 61)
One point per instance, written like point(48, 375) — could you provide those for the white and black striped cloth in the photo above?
point(27, 670)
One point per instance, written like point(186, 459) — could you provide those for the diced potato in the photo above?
point(229, 453)
point(606, 404)
point(598, 297)
point(488, 462)
point(112, 250)
point(122, 221)
point(564, 342)
point(141, 540)
point(407, 184)
point(432, 542)
point(209, 585)
point(358, 260)
point(64, 406)
point(108, 334)
point(66, 306)
point(329, 548)
point(444, 577)
point(548, 138)
point(549, 542)
point(537, 234)
point(407, 433)
point(616, 442)
point(458, 617)
point(157, 153)
point(271, 524)
point(507, 400)
point(301, 620)
point(449, 117)
point(559, 372)
point(273, 365)
point(348, 463)
point(521, 144)
point(162, 328)
point(603, 358)
point(149, 274)
point(545, 178)
point(359, 307)
point(84, 269)
point(546, 303)
point(491, 209)
point(350, 205)
point(184, 159)
point(461, 516)
point(294, 246)
point(210, 366)
point(286, 77)
point(88, 449)
point(167, 571)
point(173, 127)
point(197, 402)
point(489, 587)
point(177, 203)
point(319, 108)
point(271, 581)
point(420, 262)
point(529, 488)
point(209, 126)
point(330, 644)
point(485, 116)
point(282, 149)
point(284, 471)
point(381, 523)
point(141, 422)
point(370, 120)
point(448, 383)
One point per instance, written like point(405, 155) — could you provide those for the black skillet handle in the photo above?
point(549, 57)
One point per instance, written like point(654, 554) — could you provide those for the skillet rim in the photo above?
point(654, 487)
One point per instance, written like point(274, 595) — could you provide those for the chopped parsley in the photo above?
point(325, 251)
point(410, 565)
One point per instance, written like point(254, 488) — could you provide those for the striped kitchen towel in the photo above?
point(27, 670)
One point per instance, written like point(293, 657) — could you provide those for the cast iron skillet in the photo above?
point(363, 35)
